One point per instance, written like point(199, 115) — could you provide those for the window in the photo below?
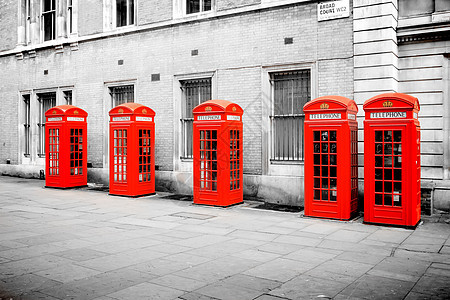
point(124, 12)
point(26, 124)
point(48, 19)
point(121, 94)
point(194, 91)
point(70, 28)
point(195, 6)
point(46, 101)
point(290, 91)
point(68, 97)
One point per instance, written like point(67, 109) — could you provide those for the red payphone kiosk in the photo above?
point(218, 153)
point(331, 158)
point(392, 160)
point(131, 150)
point(65, 147)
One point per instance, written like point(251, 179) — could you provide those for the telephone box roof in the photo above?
point(66, 110)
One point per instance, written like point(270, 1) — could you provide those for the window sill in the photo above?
point(287, 162)
point(186, 159)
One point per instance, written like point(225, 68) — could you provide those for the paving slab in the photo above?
point(80, 244)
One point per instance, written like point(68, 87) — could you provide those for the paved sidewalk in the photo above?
point(84, 244)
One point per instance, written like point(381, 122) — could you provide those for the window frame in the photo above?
point(41, 120)
point(121, 86)
point(26, 104)
point(201, 7)
point(43, 15)
point(133, 18)
point(186, 120)
point(298, 154)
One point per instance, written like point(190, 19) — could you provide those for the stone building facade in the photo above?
point(268, 56)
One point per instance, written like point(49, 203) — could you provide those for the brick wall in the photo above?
point(227, 4)
point(8, 20)
point(152, 11)
point(237, 48)
point(90, 17)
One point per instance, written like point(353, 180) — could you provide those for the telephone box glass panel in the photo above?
point(208, 160)
point(53, 155)
point(235, 149)
point(120, 155)
point(144, 155)
point(388, 168)
point(76, 151)
point(325, 165)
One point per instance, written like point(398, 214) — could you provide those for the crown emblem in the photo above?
point(144, 111)
point(387, 104)
point(234, 108)
point(76, 112)
point(208, 108)
point(324, 106)
point(54, 112)
point(120, 110)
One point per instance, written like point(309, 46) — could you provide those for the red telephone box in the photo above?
point(218, 153)
point(131, 150)
point(331, 158)
point(392, 160)
point(65, 147)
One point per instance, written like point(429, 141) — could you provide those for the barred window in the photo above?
point(195, 6)
point(121, 94)
point(46, 101)
point(26, 124)
point(290, 91)
point(194, 91)
point(48, 19)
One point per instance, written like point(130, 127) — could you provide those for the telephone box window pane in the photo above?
point(387, 200)
point(207, 164)
point(388, 174)
point(378, 199)
point(53, 155)
point(397, 200)
point(234, 157)
point(378, 174)
point(397, 136)
point(316, 136)
point(325, 164)
point(120, 153)
point(144, 155)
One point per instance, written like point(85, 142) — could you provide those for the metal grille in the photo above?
point(145, 156)
point(208, 160)
point(122, 94)
point(388, 168)
point(48, 19)
point(120, 155)
point(290, 91)
point(325, 165)
point(235, 156)
point(195, 92)
point(26, 124)
point(76, 151)
point(46, 101)
point(53, 157)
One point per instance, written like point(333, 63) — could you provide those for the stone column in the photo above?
point(34, 23)
point(21, 23)
point(61, 15)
